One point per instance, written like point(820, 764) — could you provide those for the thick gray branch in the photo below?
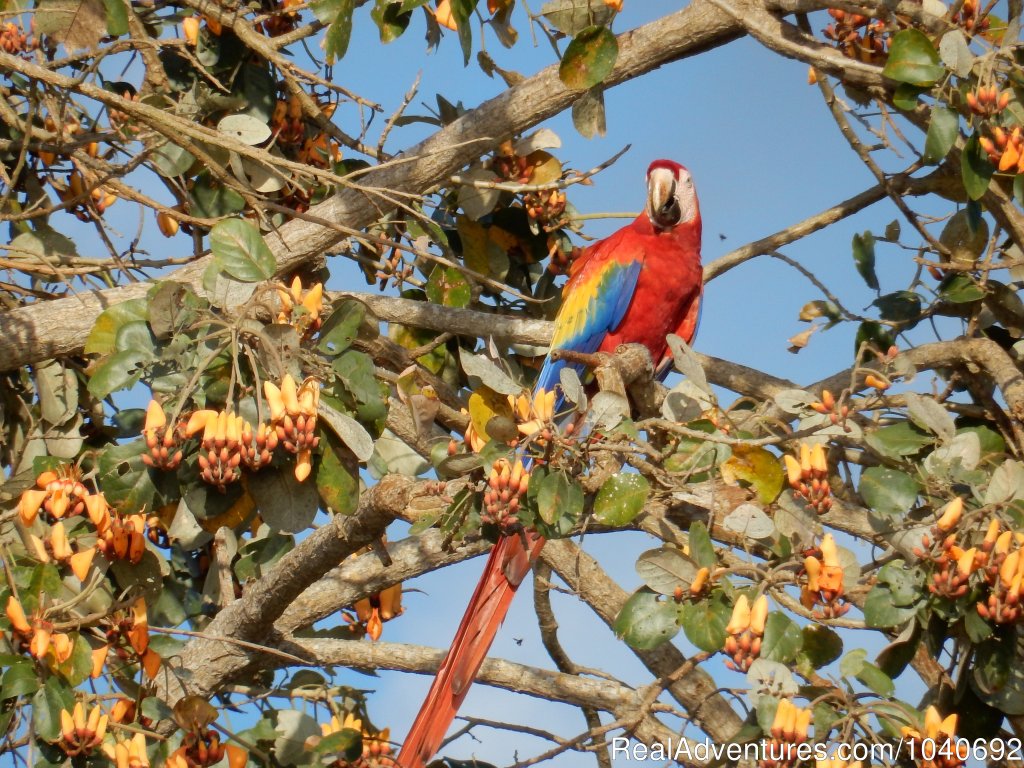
point(210, 661)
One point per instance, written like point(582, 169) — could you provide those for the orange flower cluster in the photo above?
point(220, 448)
point(953, 564)
point(163, 443)
point(373, 611)
point(987, 102)
point(86, 192)
point(12, 39)
point(836, 762)
point(789, 728)
point(228, 442)
point(293, 414)
point(127, 753)
point(506, 486)
point(128, 637)
point(969, 17)
point(200, 750)
point(823, 590)
point(284, 19)
point(301, 309)
point(57, 547)
point(827, 405)
point(1005, 150)
point(534, 414)
point(744, 632)
point(938, 746)
point(37, 636)
point(312, 146)
point(60, 494)
point(857, 36)
point(376, 749)
point(121, 537)
point(1002, 556)
point(808, 476)
point(545, 207)
point(80, 735)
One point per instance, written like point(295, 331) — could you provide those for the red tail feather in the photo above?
point(509, 563)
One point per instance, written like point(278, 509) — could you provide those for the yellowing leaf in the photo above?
point(756, 467)
point(484, 405)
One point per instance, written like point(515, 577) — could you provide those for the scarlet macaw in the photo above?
point(636, 286)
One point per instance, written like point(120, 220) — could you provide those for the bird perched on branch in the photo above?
point(636, 286)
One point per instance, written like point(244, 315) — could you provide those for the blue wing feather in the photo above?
point(590, 311)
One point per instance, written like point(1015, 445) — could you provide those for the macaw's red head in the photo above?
point(671, 198)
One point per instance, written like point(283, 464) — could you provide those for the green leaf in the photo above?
point(284, 503)
point(588, 114)
point(449, 287)
point(782, 638)
point(366, 396)
point(391, 19)
point(558, 497)
point(346, 743)
point(47, 704)
point(342, 327)
point(913, 59)
point(462, 10)
point(942, 132)
point(589, 58)
point(961, 289)
point(170, 160)
point(125, 479)
point(211, 200)
point(340, 32)
point(704, 622)
point(646, 621)
point(79, 665)
point(570, 17)
point(906, 96)
point(899, 307)
point(19, 679)
point(895, 657)
point(864, 258)
point(881, 611)
point(888, 491)
point(975, 168)
point(665, 569)
point(247, 129)
point(621, 499)
point(819, 646)
point(898, 440)
point(118, 371)
point(874, 335)
point(1018, 188)
point(337, 476)
point(104, 331)
point(240, 251)
point(701, 548)
point(117, 17)
point(875, 679)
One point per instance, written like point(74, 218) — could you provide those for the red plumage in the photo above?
point(636, 286)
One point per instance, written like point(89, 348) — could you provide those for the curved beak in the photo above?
point(662, 206)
